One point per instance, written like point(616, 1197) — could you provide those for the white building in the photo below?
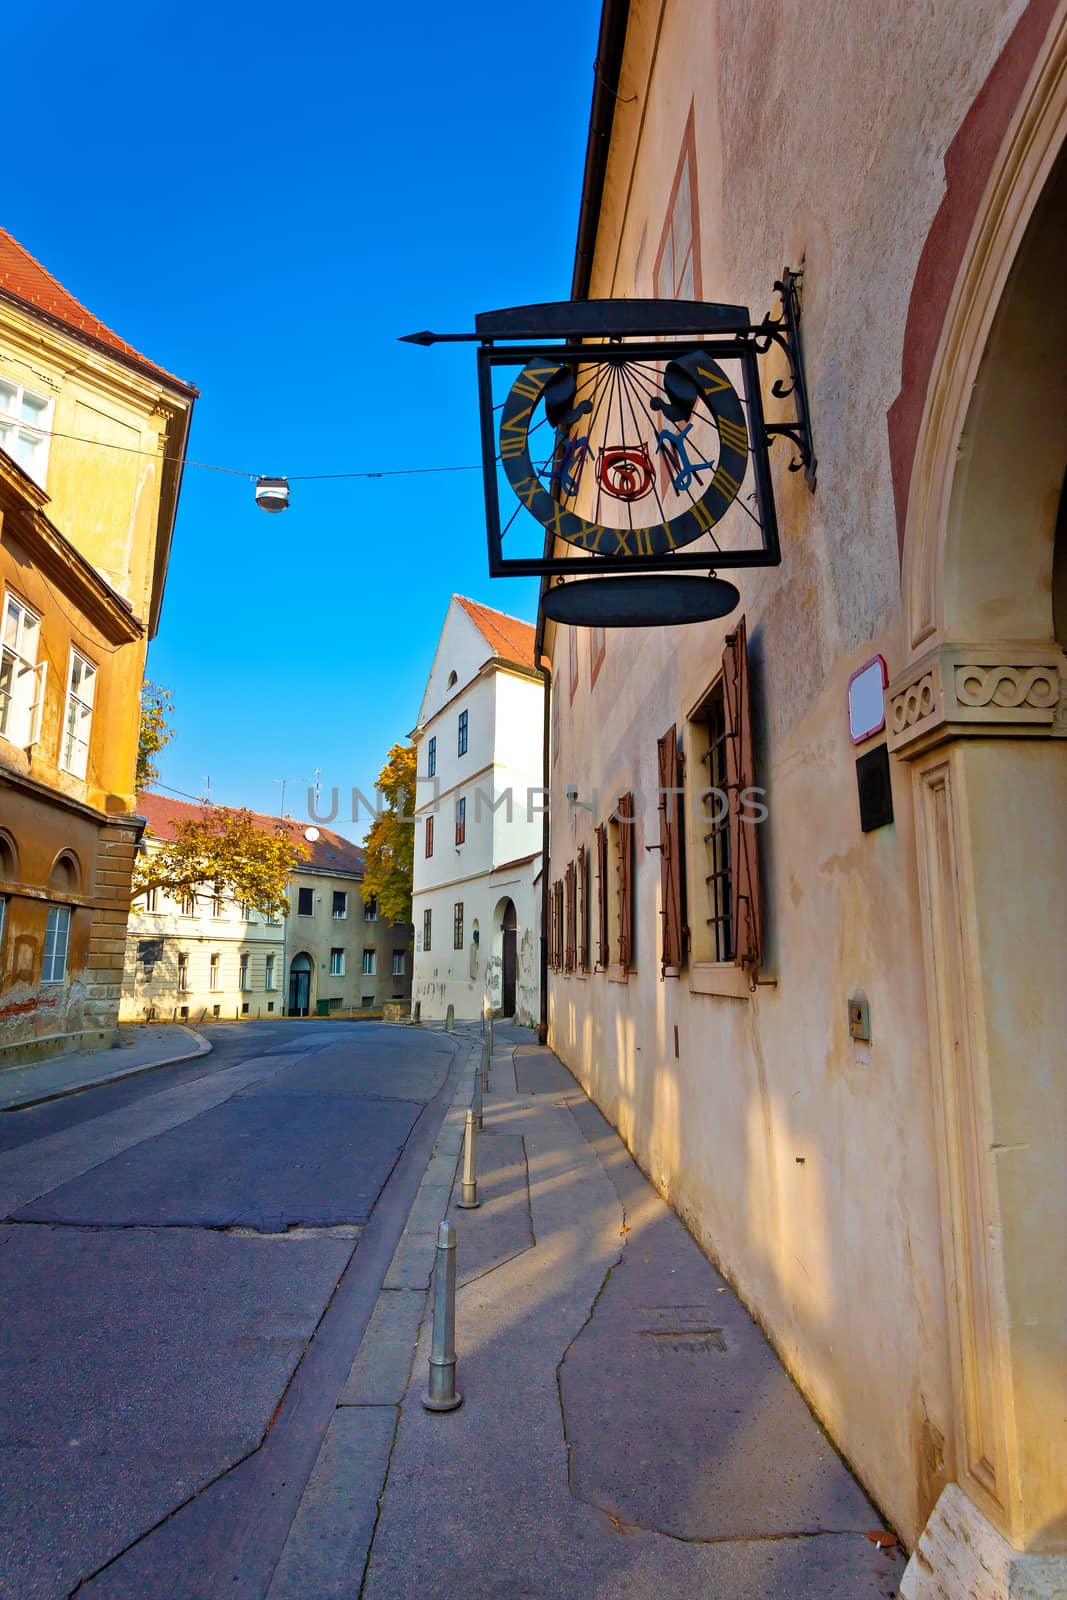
point(476, 888)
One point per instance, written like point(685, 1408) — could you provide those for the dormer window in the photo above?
point(452, 680)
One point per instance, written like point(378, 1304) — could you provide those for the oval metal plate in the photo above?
point(646, 601)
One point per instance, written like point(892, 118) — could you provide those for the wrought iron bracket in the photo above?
point(784, 331)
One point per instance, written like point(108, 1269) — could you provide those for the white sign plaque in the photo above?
point(866, 700)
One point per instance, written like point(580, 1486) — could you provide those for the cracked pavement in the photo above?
point(189, 1262)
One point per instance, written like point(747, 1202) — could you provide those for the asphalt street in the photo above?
point(188, 1262)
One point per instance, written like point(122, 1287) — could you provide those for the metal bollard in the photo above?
point(441, 1393)
point(490, 1036)
point(468, 1196)
point(450, 1019)
point(476, 1100)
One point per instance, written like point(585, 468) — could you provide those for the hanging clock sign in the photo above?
point(629, 436)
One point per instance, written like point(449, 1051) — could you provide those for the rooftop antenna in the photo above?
point(284, 781)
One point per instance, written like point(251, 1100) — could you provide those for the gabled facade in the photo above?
point(830, 1022)
point(91, 440)
point(479, 812)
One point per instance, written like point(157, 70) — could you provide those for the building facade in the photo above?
point(479, 820)
point(834, 1036)
point(340, 954)
point(206, 957)
point(91, 439)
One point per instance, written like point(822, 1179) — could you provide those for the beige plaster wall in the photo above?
point(805, 1162)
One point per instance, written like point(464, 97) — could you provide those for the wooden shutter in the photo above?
point(583, 911)
point(625, 812)
point(602, 904)
point(740, 775)
point(671, 866)
point(572, 919)
point(550, 919)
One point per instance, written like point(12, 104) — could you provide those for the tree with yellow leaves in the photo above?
point(390, 843)
point(223, 852)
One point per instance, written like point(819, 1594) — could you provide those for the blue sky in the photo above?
point(261, 197)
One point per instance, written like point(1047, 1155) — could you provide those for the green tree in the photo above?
point(156, 707)
point(223, 852)
point(390, 842)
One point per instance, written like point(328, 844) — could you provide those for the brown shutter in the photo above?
point(602, 904)
point(550, 931)
point(740, 775)
point(583, 913)
point(559, 923)
point(572, 919)
point(625, 811)
point(671, 866)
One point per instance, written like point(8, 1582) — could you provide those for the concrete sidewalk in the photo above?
point(137, 1050)
point(626, 1430)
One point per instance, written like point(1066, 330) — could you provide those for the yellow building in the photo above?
point(834, 1036)
point(92, 436)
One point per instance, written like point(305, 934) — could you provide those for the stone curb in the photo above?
point(202, 1048)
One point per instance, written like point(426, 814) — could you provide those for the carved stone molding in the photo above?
point(956, 691)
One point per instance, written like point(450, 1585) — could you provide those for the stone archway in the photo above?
point(978, 712)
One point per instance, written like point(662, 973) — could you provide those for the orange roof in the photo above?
point(508, 637)
point(24, 278)
point(328, 853)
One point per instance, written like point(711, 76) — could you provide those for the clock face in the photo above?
point(638, 458)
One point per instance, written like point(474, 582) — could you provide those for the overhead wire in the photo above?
point(236, 472)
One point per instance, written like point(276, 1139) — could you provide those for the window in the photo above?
point(603, 945)
point(571, 937)
point(370, 910)
point(56, 934)
point(21, 674)
point(677, 271)
point(715, 828)
point(671, 860)
point(214, 975)
point(426, 925)
point(268, 976)
point(3, 913)
point(398, 963)
point(188, 905)
point(431, 758)
point(25, 419)
point(337, 963)
point(248, 912)
point(370, 963)
point(724, 861)
point(217, 908)
point(151, 900)
point(461, 820)
point(457, 925)
point(81, 685)
point(305, 902)
point(621, 833)
point(462, 750)
point(340, 905)
point(245, 982)
point(272, 921)
point(429, 836)
point(183, 972)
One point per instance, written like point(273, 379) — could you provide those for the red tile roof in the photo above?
point(22, 276)
point(508, 637)
point(328, 853)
